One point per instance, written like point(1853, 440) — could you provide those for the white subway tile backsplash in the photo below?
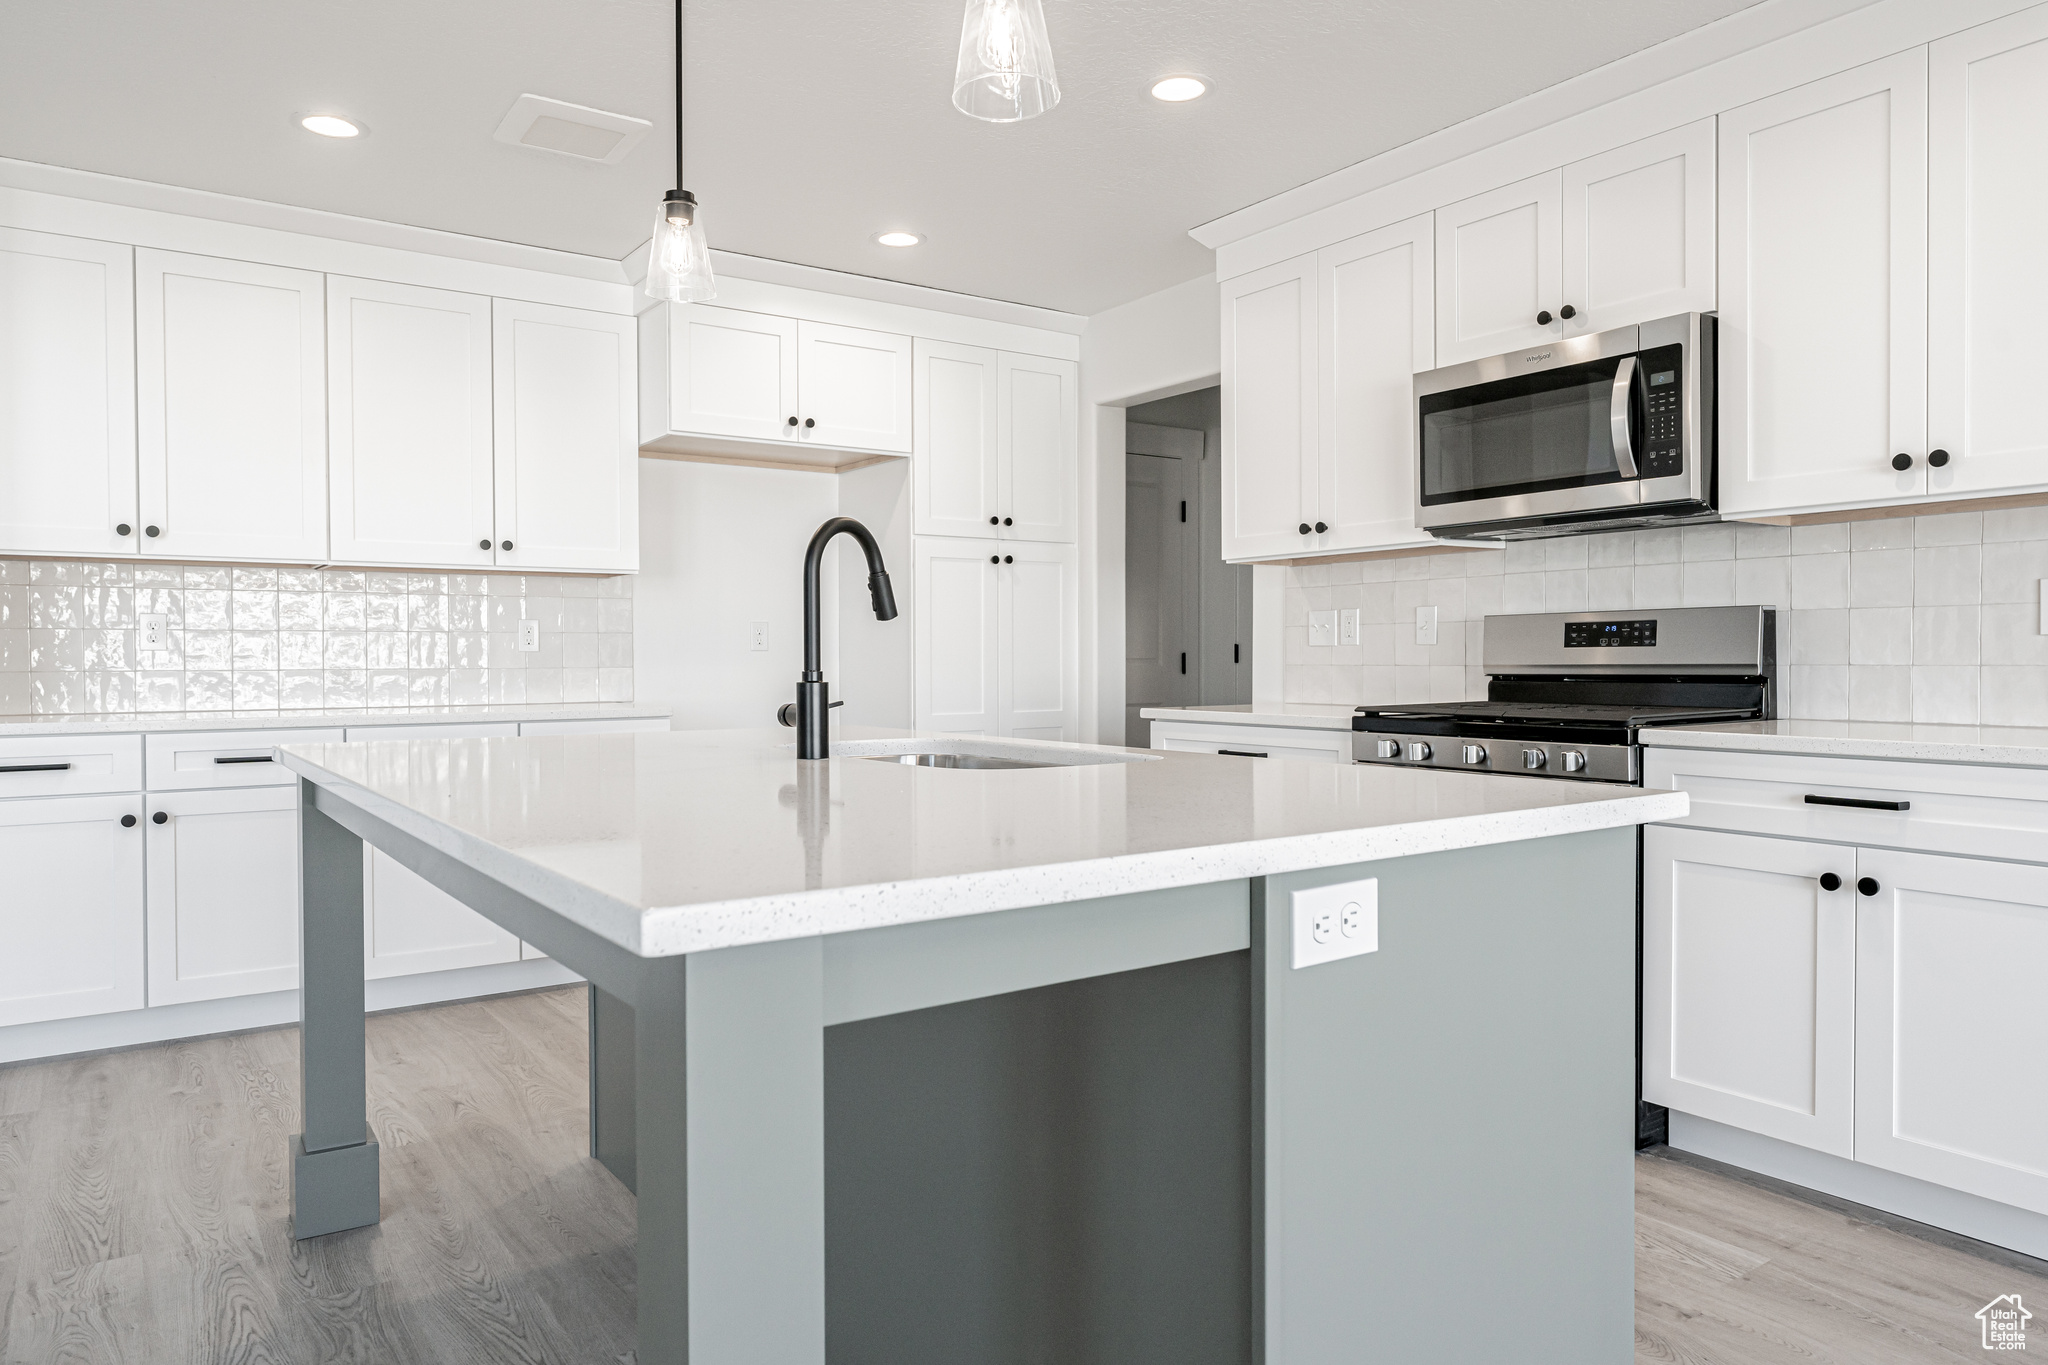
point(1881, 693)
point(1881, 635)
point(1882, 533)
point(1709, 582)
point(1826, 538)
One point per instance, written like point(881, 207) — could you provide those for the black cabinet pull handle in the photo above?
point(504, 544)
point(1830, 882)
point(1858, 802)
point(810, 422)
point(127, 822)
point(1183, 661)
point(1937, 458)
point(1320, 528)
point(484, 544)
point(150, 531)
point(1006, 521)
point(792, 421)
point(124, 529)
point(1567, 312)
point(1233, 655)
point(1902, 461)
point(243, 758)
point(1543, 318)
point(995, 521)
point(1009, 559)
point(1243, 753)
point(158, 818)
point(995, 559)
point(34, 768)
point(1304, 528)
point(1868, 886)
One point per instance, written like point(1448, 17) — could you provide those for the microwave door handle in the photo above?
point(1617, 417)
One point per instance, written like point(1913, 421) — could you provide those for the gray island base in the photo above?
point(1119, 1127)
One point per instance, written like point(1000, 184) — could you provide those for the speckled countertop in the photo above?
point(2009, 746)
point(170, 721)
point(685, 841)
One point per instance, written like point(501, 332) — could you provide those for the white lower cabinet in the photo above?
point(72, 916)
point(223, 893)
point(1251, 741)
point(997, 642)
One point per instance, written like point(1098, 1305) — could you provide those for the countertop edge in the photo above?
point(187, 722)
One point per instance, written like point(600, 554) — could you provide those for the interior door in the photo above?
point(1375, 306)
point(1038, 418)
point(223, 893)
point(72, 915)
point(1823, 364)
point(1987, 273)
point(1039, 667)
point(1498, 266)
point(854, 385)
point(1638, 231)
point(409, 425)
point(566, 453)
point(1950, 1032)
point(231, 408)
point(953, 476)
point(1749, 983)
point(1270, 444)
point(733, 373)
point(958, 656)
point(67, 395)
point(1162, 624)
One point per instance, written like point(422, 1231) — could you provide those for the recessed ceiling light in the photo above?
point(898, 238)
point(1180, 89)
point(329, 125)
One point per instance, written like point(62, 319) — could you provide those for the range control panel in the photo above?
point(1664, 439)
point(1619, 634)
point(1524, 758)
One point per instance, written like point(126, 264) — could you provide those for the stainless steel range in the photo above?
point(1568, 692)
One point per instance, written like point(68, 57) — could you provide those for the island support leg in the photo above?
point(729, 1120)
point(334, 1156)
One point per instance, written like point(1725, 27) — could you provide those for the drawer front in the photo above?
point(1253, 741)
point(225, 758)
point(501, 729)
point(648, 724)
point(70, 765)
point(1943, 807)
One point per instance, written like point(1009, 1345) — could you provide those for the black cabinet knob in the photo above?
point(995, 559)
point(1868, 886)
point(994, 520)
point(1320, 528)
point(149, 530)
point(1543, 318)
point(1008, 559)
point(1304, 528)
point(127, 822)
point(504, 544)
point(124, 529)
point(1830, 882)
point(158, 818)
point(810, 422)
point(1006, 521)
point(1567, 312)
point(1937, 458)
point(484, 544)
point(792, 421)
point(1902, 461)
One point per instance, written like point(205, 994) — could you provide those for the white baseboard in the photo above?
point(1971, 1215)
point(200, 1018)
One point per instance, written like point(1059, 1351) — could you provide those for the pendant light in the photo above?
point(1005, 71)
point(679, 259)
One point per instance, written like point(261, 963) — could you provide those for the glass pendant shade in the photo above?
point(1005, 71)
point(679, 260)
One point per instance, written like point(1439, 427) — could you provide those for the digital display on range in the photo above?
point(1584, 634)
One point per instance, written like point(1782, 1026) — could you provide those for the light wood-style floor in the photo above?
point(143, 1201)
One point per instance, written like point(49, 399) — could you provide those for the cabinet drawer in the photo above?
point(70, 765)
point(225, 758)
point(1253, 741)
point(1948, 807)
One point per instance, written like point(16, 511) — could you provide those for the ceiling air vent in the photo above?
point(571, 129)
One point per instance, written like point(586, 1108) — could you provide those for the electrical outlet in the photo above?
point(1322, 627)
point(529, 636)
point(759, 635)
point(1332, 922)
point(1425, 625)
point(156, 630)
point(1347, 626)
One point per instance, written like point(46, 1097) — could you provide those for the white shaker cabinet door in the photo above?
point(1376, 308)
point(231, 408)
point(1037, 662)
point(1270, 414)
point(67, 396)
point(1749, 983)
point(1497, 264)
point(733, 373)
point(1823, 343)
point(1038, 417)
point(567, 466)
point(71, 918)
point(953, 470)
point(853, 388)
point(957, 619)
point(223, 893)
point(1638, 231)
point(1987, 284)
point(409, 425)
point(1951, 1032)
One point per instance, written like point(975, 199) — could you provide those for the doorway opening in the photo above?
point(1187, 614)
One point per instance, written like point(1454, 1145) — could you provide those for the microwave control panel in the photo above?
point(1663, 371)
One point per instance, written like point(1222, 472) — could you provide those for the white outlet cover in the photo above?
point(1347, 626)
point(1335, 922)
point(757, 635)
point(155, 630)
point(529, 636)
point(1425, 625)
point(1322, 627)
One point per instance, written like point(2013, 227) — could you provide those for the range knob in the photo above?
point(1574, 761)
point(1474, 753)
point(1418, 752)
point(1533, 759)
point(1387, 748)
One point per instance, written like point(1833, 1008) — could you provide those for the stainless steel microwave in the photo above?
point(1588, 433)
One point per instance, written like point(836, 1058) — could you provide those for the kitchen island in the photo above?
point(918, 1063)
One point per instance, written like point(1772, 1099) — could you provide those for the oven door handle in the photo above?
point(1617, 416)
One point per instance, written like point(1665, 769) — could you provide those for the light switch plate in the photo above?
point(1425, 625)
point(155, 627)
point(1322, 627)
point(529, 636)
point(1347, 626)
point(1333, 922)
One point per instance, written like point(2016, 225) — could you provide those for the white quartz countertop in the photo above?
point(168, 721)
point(1294, 715)
point(2012, 747)
point(684, 841)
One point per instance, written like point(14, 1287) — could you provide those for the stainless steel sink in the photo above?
point(956, 761)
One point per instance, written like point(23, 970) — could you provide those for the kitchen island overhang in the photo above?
point(1498, 1009)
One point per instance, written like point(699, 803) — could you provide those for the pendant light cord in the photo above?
point(679, 96)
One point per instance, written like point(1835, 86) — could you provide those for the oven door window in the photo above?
point(1528, 434)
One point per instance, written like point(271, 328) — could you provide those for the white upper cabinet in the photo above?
point(409, 425)
point(1988, 275)
point(853, 388)
point(1270, 411)
point(1038, 415)
point(1823, 373)
point(231, 408)
point(1499, 266)
point(732, 373)
point(567, 464)
point(1378, 328)
point(67, 396)
point(1638, 232)
point(954, 476)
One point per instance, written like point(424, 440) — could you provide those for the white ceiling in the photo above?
point(812, 123)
